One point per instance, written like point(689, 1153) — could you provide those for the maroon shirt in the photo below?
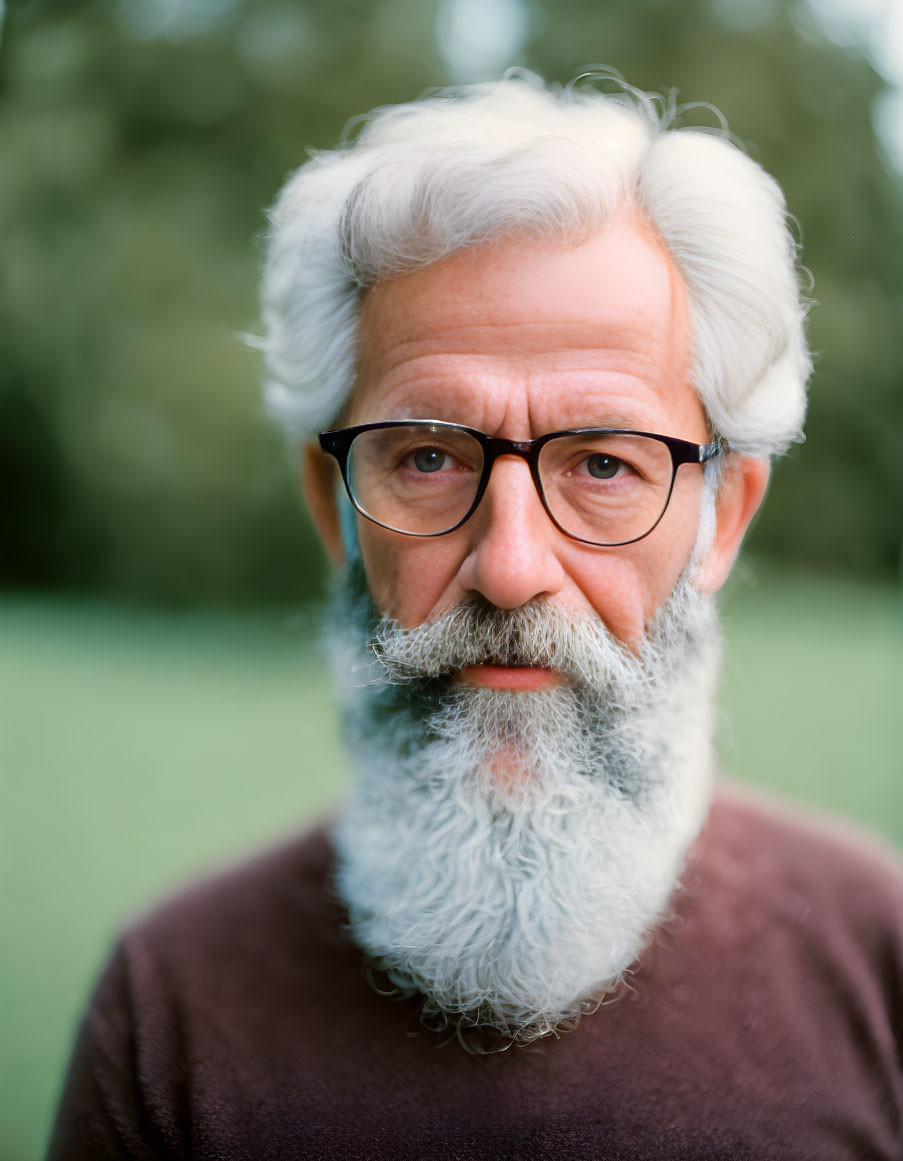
point(766, 1021)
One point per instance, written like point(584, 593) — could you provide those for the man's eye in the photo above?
point(602, 467)
point(429, 459)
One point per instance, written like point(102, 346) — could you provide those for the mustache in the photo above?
point(478, 633)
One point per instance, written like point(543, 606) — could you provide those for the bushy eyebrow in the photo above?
point(604, 420)
point(456, 419)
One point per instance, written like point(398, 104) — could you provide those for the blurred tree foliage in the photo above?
point(138, 143)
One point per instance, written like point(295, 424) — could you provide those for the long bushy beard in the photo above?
point(507, 854)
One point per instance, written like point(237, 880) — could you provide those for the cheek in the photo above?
point(628, 587)
point(666, 553)
point(379, 565)
point(613, 587)
point(407, 576)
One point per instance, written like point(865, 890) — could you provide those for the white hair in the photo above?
point(507, 855)
point(466, 166)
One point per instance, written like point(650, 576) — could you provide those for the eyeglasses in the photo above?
point(425, 478)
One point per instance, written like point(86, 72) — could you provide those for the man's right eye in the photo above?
point(428, 459)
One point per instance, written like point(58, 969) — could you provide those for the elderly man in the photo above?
point(550, 343)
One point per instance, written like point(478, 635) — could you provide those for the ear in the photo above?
point(740, 493)
point(319, 476)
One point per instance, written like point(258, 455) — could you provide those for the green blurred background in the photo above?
point(163, 701)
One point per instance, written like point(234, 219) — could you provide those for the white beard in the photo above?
point(508, 854)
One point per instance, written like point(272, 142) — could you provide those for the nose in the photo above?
point(512, 557)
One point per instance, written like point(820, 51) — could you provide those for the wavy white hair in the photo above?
point(507, 855)
point(469, 165)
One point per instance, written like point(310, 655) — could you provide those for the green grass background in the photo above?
point(138, 748)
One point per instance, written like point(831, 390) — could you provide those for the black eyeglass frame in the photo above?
point(337, 443)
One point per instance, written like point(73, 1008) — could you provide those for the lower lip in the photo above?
point(527, 677)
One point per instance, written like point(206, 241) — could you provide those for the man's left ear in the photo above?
point(741, 491)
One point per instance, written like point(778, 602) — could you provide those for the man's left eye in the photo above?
point(601, 466)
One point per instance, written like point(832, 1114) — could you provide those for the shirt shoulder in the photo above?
point(780, 883)
point(288, 884)
point(183, 984)
point(767, 842)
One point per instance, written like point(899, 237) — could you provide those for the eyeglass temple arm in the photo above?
point(708, 451)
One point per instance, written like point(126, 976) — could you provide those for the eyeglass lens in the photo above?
point(607, 488)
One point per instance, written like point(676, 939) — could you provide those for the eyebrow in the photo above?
point(610, 421)
point(614, 421)
point(613, 425)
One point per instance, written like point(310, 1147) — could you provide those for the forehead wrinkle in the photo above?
point(555, 399)
point(473, 408)
point(406, 353)
point(464, 377)
point(630, 411)
point(392, 333)
point(417, 384)
point(631, 335)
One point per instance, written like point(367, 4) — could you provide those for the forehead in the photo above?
point(530, 334)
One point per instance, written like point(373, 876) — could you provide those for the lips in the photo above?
point(510, 677)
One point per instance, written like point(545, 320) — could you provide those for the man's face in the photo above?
point(534, 754)
point(519, 339)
